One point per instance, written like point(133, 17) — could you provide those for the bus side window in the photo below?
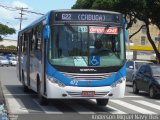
point(32, 39)
point(24, 43)
point(38, 39)
point(19, 43)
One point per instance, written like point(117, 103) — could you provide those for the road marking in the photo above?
point(158, 101)
point(132, 96)
point(16, 106)
point(48, 109)
point(113, 108)
point(80, 109)
point(18, 94)
point(147, 104)
point(132, 107)
point(116, 110)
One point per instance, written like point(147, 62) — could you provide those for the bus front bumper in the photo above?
point(54, 91)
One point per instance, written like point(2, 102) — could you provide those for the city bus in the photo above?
point(74, 54)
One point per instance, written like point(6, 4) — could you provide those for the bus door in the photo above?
point(24, 58)
point(19, 50)
point(35, 57)
point(32, 62)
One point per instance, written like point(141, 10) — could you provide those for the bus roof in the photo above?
point(47, 15)
point(34, 23)
point(85, 10)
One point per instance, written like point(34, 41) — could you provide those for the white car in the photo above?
point(4, 61)
point(13, 61)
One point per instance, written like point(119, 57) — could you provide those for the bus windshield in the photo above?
point(80, 45)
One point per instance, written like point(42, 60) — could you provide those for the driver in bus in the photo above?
point(99, 48)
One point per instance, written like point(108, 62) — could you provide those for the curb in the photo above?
point(3, 108)
point(2, 100)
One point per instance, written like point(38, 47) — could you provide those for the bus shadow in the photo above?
point(20, 99)
point(30, 101)
point(81, 105)
point(16, 90)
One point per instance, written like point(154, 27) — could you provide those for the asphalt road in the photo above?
point(24, 106)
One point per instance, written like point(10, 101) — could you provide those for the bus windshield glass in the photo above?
point(80, 45)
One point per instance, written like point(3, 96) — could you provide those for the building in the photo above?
point(140, 40)
point(140, 44)
point(6, 46)
point(7, 42)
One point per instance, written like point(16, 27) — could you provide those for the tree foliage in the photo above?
point(11, 47)
point(8, 47)
point(5, 30)
point(133, 10)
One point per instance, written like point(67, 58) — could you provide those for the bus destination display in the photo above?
point(98, 17)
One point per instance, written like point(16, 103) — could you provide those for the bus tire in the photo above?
point(42, 100)
point(25, 88)
point(102, 102)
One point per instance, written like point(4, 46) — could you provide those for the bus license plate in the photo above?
point(88, 93)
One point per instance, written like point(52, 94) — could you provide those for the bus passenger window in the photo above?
point(24, 43)
point(38, 37)
point(32, 40)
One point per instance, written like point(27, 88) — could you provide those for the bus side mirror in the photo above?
point(126, 35)
point(46, 32)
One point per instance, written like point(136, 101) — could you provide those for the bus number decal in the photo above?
point(82, 29)
point(66, 16)
point(74, 82)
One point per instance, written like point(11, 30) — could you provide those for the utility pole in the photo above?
point(21, 17)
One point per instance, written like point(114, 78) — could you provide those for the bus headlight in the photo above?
point(55, 81)
point(122, 79)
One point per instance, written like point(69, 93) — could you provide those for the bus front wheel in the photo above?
point(102, 102)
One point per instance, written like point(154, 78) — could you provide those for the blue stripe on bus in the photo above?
point(84, 83)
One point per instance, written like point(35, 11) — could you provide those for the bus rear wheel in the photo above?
point(42, 99)
point(25, 88)
point(102, 102)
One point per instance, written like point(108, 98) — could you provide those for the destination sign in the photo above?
point(103, 30)
point(87, 16)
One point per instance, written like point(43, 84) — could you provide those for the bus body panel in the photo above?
point(56, 92)
point(35, 71)
point(109, 80)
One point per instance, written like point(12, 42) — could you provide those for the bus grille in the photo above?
point(82, 76)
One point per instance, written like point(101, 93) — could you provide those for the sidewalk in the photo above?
point(3, 113)
point(2, 101)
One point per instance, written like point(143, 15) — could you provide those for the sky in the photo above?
point(7, 17)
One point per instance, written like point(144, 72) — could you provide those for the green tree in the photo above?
point(5, 30)
point(133, 10)
point(84, 4)
point(2, 46)
point(11, 47)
